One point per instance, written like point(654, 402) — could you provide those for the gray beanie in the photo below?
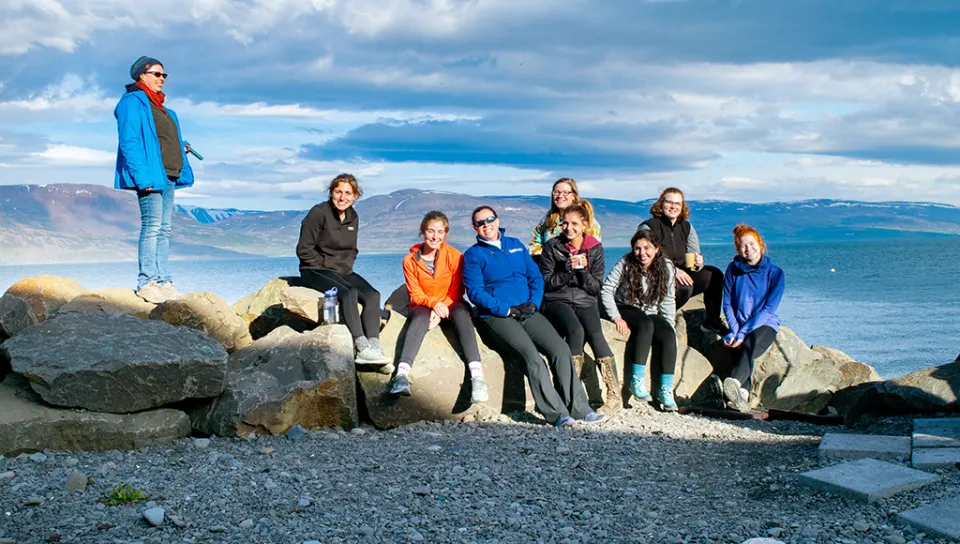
point(141, 65)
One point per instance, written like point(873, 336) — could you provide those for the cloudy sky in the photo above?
point(753, 100)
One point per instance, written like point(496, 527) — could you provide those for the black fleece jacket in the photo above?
point(579, 288)
point(326, 243)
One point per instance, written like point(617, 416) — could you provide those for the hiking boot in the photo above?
point(578, 364)
point(400, 385)
point(594, 418)
point(666, 399)
point(169, 291)
point(151, 293)
point(565, 421)
point(717, 328)
point(639, 389)
point(737, 397)
point(369, 352)
point(478, 391)
point(611, 381)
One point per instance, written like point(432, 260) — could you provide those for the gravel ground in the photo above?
point(644, 477)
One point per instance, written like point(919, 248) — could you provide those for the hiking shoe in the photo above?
point(400, 385)
point(594, 418)
point(737, 397)
point(716, 328)
point(666, 399)
point(639, 389)
point(151, 293)
point(369, 353)
point(478, 390)
point(565, 421)
point(169, 291)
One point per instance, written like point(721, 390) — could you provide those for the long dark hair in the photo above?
point(658, 277)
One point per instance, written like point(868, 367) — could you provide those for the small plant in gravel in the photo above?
point(124, 494)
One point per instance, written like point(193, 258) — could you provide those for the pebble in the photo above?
point(775, 532)
point(895, 539)
point(861, 526)
point(201, 443)
point(109, 466)
point(218, 529)
point(178, 521)
point(312, 542)
point(71, 462)
point(358, 431)
point(303, 503)
point(297, 432)
point(434, 448)
point(38, 457)
point(76, 481)
point(154, 516)
point(246, 524)
point(266, 451)
point(34, 500)
point(8, 475)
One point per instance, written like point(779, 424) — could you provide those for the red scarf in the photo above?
point(155, 98)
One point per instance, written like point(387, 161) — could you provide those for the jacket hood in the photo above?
point(745, 267)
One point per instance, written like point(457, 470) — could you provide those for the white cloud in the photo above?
point(73, 155)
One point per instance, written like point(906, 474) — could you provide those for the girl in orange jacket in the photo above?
point(433, 272)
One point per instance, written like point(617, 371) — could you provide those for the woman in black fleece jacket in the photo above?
point(327, 250)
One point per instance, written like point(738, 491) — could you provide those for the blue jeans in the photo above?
point(156, 213)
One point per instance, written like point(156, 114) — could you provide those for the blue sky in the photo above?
point(742, 100)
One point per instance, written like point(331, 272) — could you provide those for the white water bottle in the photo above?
point(330, 306)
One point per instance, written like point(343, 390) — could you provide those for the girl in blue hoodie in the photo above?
point(753, 287)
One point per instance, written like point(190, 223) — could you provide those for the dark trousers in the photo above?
point(418, 322)
point(709, 281)
point(650, 331)
point(755, 344)
point(568, 398)
point(351, 291)
point(578, 325)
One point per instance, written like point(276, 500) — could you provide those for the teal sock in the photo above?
point(639, 371)
point(666, 380)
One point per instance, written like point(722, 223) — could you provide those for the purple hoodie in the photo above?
point(751, 296)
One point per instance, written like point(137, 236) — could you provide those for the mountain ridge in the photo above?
point(85, 223)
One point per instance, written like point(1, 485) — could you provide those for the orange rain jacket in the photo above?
point(445, 286)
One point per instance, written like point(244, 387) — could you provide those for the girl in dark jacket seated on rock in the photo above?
point(506, 287)
point(572, 268)
point(678, 241)
point(433, 272)
point(327, 249)
point(638, 296)
point(753, 287)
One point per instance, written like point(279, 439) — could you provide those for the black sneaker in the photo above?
point(716, 328)
point(400, 385)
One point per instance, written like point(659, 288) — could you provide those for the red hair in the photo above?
point(742, 230)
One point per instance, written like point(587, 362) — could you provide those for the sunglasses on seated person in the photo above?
point(486, 221)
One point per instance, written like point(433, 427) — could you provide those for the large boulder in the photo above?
point(113, 300)
point(28, 424)
point(209, 314)
point(440, 381)
point(280, 302)
point(116, 363)
point(284, 379)
point(934, 389)
point(791, 376)
point(32, 300)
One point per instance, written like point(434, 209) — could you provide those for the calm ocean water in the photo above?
point(892, 304)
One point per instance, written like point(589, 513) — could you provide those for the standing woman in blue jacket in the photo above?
point(505, 285)
point(752, 289)
point(151, 160)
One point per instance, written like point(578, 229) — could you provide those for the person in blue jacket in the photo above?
point(506, 287)
point(151, 160)
point(753, 287)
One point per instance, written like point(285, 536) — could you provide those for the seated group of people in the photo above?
point(549, 296)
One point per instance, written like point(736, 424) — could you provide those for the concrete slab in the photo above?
point(866, 480)
point(936, 432)
point(940, 519)
point(864, 446)
point(936, 458)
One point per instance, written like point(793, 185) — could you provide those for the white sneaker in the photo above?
point(479, 390)
point(169, 291)
point(151, 293)
point(737, 397)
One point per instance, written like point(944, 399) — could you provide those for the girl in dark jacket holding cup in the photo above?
point(572, 268)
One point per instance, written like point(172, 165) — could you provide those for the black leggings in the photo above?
point(648, 331)
point(755, 344)
point(418, 322)
point(709, 281)
point(568, 397)
point(578, 325)
point(351, 291)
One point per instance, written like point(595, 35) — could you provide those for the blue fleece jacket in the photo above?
point(751, 296)
point(139, 164)
point(498, 278)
